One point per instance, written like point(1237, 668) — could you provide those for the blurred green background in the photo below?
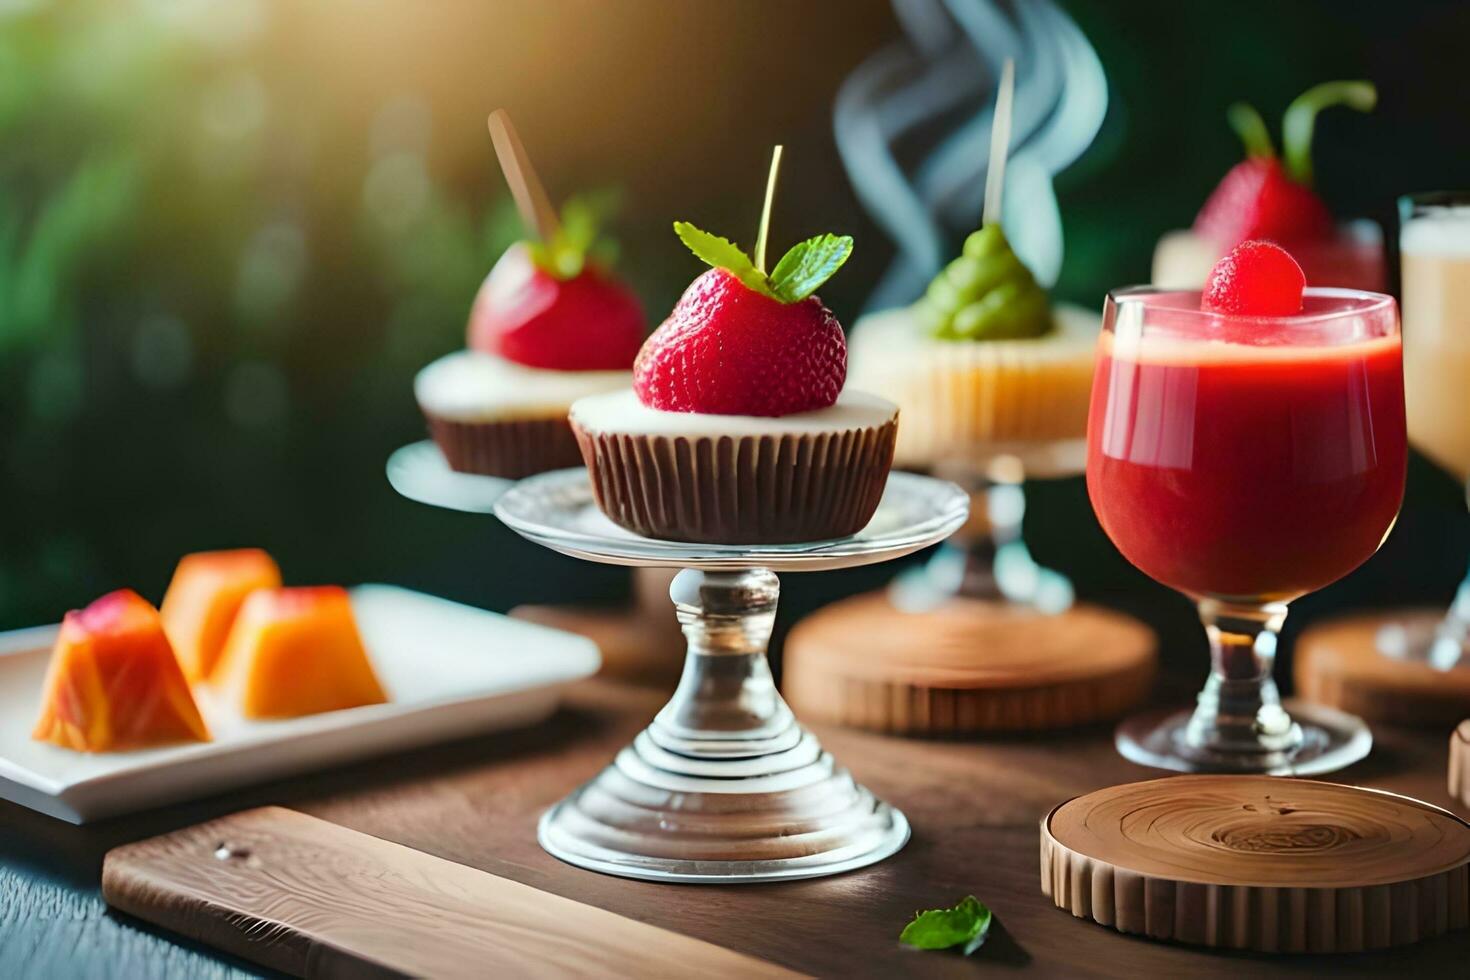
point(230, 233)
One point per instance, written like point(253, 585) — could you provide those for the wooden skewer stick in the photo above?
point(530, 196)
point(1000, 143)
point(760, 238)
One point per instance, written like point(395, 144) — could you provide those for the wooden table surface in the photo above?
point(974, 806)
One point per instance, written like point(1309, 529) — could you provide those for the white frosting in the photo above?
point(470, 386)
point(621, 411)
point(1443, 231)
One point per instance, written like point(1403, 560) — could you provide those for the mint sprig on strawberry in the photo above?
point(578, 237)
point(801, 271)
point(744, 341)
point(1264, 197)
point(799, 274)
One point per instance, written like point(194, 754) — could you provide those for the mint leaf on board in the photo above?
point(966, 924)
point(722, 253)
point(808, 264)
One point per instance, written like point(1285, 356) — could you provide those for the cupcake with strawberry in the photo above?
point(1271, 198)
point(738, 428)
point(550, 324)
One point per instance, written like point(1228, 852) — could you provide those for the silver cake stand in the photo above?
point(724, 785)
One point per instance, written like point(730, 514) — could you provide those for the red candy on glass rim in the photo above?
point(1255, 279)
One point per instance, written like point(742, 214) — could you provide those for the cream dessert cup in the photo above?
point(493, 417)
point(1434, 241)
point(737, 479)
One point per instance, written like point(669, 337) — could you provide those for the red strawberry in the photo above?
point(1255, 279)
point(727, 349)
point(744, 341)
point(588, 322)
point(1257, 200)
point(1263, 197)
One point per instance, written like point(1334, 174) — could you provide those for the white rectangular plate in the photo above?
point(450, 670)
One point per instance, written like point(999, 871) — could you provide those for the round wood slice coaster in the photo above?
point(1262, 863)
point(1460, 764)
point(1339, 663)
point(969, 665)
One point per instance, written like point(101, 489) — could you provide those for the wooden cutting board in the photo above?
point(310, 898)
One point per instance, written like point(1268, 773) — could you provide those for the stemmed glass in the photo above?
point(1435, 244)
point(1246, 461)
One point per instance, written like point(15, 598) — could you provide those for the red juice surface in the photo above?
point(1246, 472)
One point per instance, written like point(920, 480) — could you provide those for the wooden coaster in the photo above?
point(1460, 764)
point(640, 642)
point(971, 665)
point(1263, 863)
point(1339, 664)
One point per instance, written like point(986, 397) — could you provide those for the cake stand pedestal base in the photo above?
point(724, 785)
point(1346, 663)
point(966, 665)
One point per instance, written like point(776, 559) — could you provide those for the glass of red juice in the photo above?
point(1246, 461)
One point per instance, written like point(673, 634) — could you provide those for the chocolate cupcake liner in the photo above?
point(758, 489)
point(509, 448)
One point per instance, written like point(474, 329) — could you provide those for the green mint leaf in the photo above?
point(579, 236)
point(967, 925)
point(807, 265)
point(721, 253)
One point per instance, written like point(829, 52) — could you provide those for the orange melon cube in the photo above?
point(296, 652)
point(114, 682)
point(203, 599)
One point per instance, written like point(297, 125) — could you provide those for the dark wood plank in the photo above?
point(310, 898)
point(975, 806)
point(51, 929)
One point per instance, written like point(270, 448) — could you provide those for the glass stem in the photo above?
point(1239, 709)
point(985, 559)
point(726, 703)
point(1452, 638)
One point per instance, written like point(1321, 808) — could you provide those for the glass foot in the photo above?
point(1442, 642)
point(1330, 740)
point(657, 816)
point(724, 786)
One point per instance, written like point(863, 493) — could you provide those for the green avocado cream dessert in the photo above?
point(985, 294)
point(983, 358)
